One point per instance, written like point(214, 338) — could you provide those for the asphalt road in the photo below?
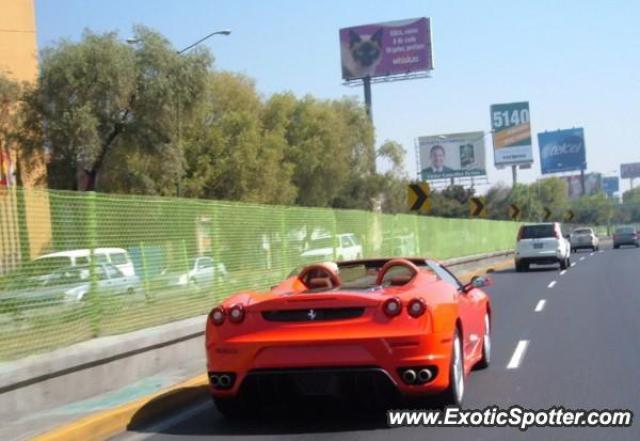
point(582, 352)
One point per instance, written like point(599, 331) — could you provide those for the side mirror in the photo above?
point(478, 282)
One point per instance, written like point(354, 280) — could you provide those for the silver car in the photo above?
point(584, 238)
point(69, 284)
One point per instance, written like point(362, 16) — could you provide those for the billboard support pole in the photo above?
point(582, 187)
point(366, 81)
point(514, 174)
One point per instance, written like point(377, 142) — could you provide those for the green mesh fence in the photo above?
point(74, 266)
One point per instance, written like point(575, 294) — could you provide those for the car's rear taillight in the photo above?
point(217, 315)
point(392, 307)
point(416, 307)
point(236, 313)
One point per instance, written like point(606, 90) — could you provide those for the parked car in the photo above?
point(118, 257)
point(625, 236)
point(321, 249)
point(584, 238)
point(200, 272)
point(401, 245)
point(542, 244)
point(70, 284)
point(376, 328)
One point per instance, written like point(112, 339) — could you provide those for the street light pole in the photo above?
point(225, 32)
point(133, 41)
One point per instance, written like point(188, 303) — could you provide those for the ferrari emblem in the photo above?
point(311, 314)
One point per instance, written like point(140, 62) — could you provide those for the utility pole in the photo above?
point(514, 174)
point(366, 82)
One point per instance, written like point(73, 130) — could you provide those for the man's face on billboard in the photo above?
point(437, 158)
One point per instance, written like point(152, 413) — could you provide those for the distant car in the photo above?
point(625, 236)
point(373, 329)
point(70, 284)
point(584, 238)
point(400, 245)
point(542, 244)
point(200, 272)
point(321, 249)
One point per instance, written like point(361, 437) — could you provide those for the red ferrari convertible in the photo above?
point(367, 328)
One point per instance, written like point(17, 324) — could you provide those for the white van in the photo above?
point(118, 257)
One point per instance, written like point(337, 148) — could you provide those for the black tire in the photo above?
point(485, 361)
point(564, 264)
point(231, 408)
point(519, 267)
point(616, 246)
point(454, 394)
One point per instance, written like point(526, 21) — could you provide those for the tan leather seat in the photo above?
point(319, 283)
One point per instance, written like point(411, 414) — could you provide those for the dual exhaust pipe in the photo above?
point(418, 376)
point(221, 381)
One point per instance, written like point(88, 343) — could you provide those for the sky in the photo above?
point(576, 62)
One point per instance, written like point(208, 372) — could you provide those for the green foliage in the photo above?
point(9, 98)
point(100, 103)
point(631, 206)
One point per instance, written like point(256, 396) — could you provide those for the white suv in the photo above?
point(542, 244)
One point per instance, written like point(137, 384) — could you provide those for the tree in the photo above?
point(631, 205)
point(102, 104)
point(230, 154)
point(10, 92)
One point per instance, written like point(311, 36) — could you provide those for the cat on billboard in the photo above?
point(382, 49)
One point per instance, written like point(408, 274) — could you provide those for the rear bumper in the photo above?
point(625, 241)
point(340, 367)
point(583, 244)
point(544, 257)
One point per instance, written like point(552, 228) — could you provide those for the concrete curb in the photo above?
point(102, 425)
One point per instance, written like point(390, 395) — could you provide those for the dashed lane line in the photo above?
point(552, 284)
point(518, 354)
point(540, 305)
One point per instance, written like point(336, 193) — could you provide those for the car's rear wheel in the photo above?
point(564, 264)
point(521, 266)
point(454, 394)
point(486, 345)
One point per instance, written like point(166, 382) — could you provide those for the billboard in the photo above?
point(592, 184)
point(511, 133)
point(562, 151)
point(610, 185)
point(631, 170)
point(382, 49)
point(452, 156)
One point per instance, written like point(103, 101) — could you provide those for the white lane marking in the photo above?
point(563, 272)
point(582, 258)
point(162, 426)
point(591, 254)
point(518, 354)
point(552, 284)
point(573, 264)
point(540, 305)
